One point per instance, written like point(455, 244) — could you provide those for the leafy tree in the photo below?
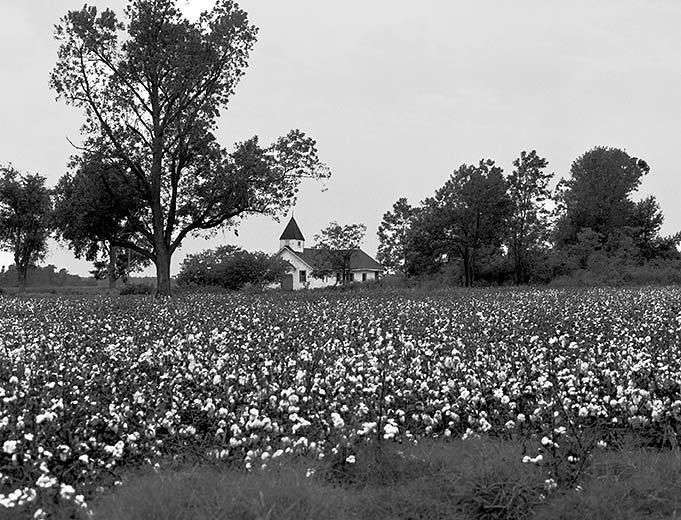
point(25, 208)
point(645, 222)
point(470, 212)
point(424, 245)
point(93, 212)
point(152, 87)
point(598, 194)
point(335, 246)
point(598, 199)
point(528, 188)
point(232, 268)
point(392, 235)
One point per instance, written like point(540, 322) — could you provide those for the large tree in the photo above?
point(528, 188)
point(392, 236)
point(597, 195)
point(336, 244)
point(152, 87)
point(92, 213)
point(468, 215)
point(25, 209)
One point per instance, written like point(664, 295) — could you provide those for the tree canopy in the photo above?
point(335, 245)
point(232, 268)
point(392, 235)
point(25, 213)
point(597, 195)
point(529, 227)
point(468, 214)
point(93, 211)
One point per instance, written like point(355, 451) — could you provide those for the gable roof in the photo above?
point(292, 231)
point(316, 258)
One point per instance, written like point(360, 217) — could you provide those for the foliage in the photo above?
point(392, 236)
point(152, 87)
point(335, 245)
point(25, 209)
point(481, 228)
point(92, 386)
point(232, 268)
point(528, 189)
point(466, 215)
point(94, 210)
point(597, 195)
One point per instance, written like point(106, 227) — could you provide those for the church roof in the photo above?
point(359, 260)
point(292, 231)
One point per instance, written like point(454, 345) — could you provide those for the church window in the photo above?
point(303, 276)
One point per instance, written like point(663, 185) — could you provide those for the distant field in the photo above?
point(94, 387)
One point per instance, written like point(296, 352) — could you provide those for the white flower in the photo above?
point(350, 459)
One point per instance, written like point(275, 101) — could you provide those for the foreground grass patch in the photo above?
point(477, 479)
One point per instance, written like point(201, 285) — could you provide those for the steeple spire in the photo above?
point(292, 236)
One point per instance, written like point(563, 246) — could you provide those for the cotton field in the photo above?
point(90, 386)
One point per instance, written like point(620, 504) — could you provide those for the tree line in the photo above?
point(485, 227)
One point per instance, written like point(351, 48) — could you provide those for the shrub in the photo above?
point(232, 268)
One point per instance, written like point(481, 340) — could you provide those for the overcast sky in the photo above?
point(398, 94)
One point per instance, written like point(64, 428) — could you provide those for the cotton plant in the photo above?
point(90, 387)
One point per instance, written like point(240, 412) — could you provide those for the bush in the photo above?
point(134, 289)
point(231, 268)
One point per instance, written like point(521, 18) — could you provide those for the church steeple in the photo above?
point(292, 237)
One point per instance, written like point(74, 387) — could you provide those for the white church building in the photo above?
point(304, 261)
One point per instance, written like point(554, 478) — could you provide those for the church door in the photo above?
point(287, 282)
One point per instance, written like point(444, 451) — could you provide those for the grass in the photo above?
point(482, 480)
point(454, 480)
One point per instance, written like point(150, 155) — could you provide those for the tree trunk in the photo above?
point(466, 269)
point(113, 253)
point(23, 275)
point(162, 272)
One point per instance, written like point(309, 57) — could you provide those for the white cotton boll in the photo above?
point(10, 447)
point(66, 492)
point(337, 420)
point(45, 481)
